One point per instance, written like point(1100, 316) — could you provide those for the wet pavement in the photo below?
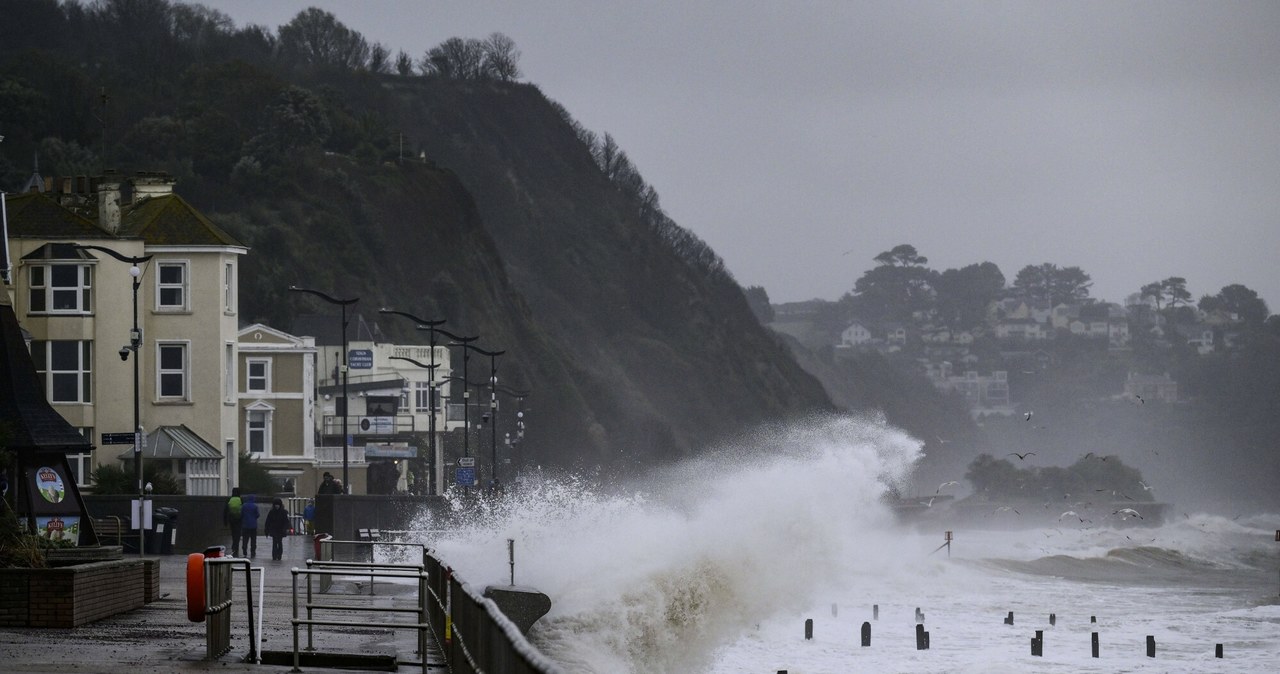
point(159, 638)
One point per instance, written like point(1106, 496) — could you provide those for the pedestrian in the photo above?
point(232, 517)
point(277, 527)
point(309, 515)
point(249, 526)
point(329, 485)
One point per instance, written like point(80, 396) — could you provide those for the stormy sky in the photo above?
point(1136, 140)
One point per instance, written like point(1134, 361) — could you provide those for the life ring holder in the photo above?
point(195, 587)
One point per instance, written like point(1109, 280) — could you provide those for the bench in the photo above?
point(113, 530)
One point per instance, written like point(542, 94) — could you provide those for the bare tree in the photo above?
point(501, 58)
point(404, 63)
point(456, 59)
point(379, 58)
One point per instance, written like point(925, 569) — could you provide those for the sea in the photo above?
point(717, 564)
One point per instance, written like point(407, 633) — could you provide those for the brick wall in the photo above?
point(75, 595)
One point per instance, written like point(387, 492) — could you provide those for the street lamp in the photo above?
point(431, 381)
point(493, 403)
point(346, 404)
point(135, 342)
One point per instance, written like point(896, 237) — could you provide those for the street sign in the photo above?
point(465, 477)
point(360, 359)
point(117, 438)
point(467, 461)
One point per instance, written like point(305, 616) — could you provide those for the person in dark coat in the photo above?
point(249, 526)
point(329, 485)
point(277, 527)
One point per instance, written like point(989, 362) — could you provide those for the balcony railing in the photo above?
point(368, 426)
point(332, 456)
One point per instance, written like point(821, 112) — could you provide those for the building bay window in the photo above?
point(171, 286)
point(60, 288)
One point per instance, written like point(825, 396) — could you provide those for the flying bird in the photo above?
point(1015, 510)
point(1069, 512)
point(1143, 485)
point(1140, 400)
point(1021, 456)
point(1028, 417)
point(944, 485)
point(1126, 513)
point(929, 503)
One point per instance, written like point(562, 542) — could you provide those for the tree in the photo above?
point(455, 59)
point(254, 478)
point(899, 286)
point(404, 63)
point(1239, 300)
point(758, 300)
point(963, 295)
point(315, 37)
point(501, 58)
point(1049, 283)
point(379, 58)
point(1175, 289)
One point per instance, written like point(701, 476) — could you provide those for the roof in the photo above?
point(36, 215)
point(168, 220)
point(175, 442)
point(32, 424)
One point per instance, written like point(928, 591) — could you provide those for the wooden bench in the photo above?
point(113, 530)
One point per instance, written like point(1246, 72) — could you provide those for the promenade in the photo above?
point(159, 638)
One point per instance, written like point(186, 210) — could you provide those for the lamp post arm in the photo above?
point(421, 365)
point(324, 296)
point(112, 253)
point(422, 322)
point(459, 340)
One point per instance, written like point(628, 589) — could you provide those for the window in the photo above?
point(259, 438)
point(229, 373)
point(60, 288)
point(171, 286)
point(421, 396)
point(171, 373)
point(258, 375)
point(64, 368)
point(228, 288)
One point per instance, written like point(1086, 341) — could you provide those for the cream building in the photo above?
point(78, 306)
point(276, 393)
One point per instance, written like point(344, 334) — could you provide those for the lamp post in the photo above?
point(493, 402)
point(431, 440)
point(346, 404)
point(135, 343)
point(431, 383)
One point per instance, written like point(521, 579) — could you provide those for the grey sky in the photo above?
point(1136, 140)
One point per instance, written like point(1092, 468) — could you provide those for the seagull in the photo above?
point(1143, 485)
point(929, 503)
point(1021, 456)
point(1126, 513)
point(1028, 417)
point(1069, 512)
point(1015, 510)
point(944, 485)
point(1140, 400)
point(1088, 455)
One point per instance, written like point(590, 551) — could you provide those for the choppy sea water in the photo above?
point(715, 565)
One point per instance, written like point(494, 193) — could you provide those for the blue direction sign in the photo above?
point(466, 477)
point(360, 359)
point(117, 438)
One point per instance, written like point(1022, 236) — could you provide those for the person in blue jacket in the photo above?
point(249, 526)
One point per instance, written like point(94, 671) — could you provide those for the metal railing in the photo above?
point(330, 569)
point(218, 582)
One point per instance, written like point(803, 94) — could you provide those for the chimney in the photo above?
point(109, 202)
point(147, 184)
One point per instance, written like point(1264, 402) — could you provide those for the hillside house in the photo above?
point(1151, 387)
point(855, 335)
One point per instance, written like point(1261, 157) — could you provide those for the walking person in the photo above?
point(249, 526)
point(277, 527)
point(232, 517)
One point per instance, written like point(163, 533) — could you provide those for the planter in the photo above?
point(70, 596)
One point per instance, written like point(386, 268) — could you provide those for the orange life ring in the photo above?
point(195, 587)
